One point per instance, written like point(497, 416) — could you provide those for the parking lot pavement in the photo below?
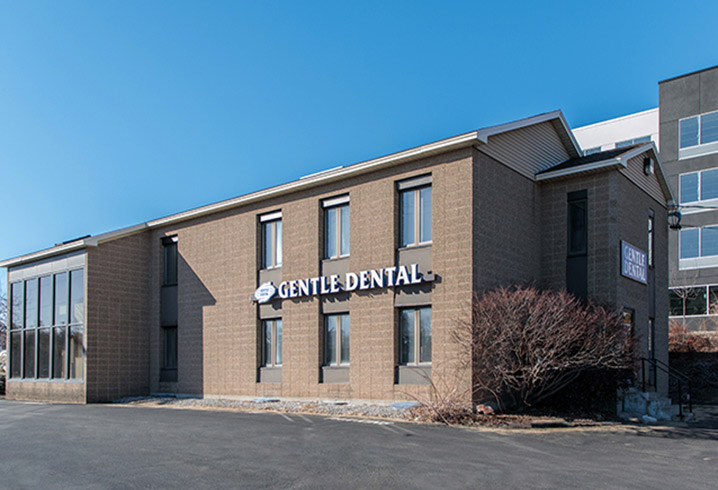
point(107, 446)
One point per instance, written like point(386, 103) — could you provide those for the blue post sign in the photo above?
point(634, 263)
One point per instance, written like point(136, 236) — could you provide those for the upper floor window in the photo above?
point(651, 238)
point(697, 131)
point(415, 208)
point(336, 227)
point(634, 141)
point(699, 242)
point(271, 240)
point(699, 186)
point(591, 151)
point(169, 277)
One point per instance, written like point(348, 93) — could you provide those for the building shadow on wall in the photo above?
point(192, 296)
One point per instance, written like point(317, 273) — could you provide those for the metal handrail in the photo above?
point(681, 377)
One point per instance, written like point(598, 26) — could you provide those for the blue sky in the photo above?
point(113, 113)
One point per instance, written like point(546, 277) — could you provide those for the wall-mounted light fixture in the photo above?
point(674, 219)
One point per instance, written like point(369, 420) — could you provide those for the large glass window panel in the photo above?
point(16, 305)
point(407, 337)
point(407, 218)
point(344, 359)
point(675, 300)
point(331, 240)
point(267, 245)
point(278, 352)
point(77, 353)
point(59, 349)
point(709, 184)
point(29, 354)
point(43, 353)
point(621, 144)
point(642, 139)
point(689, 243)
point(425, 204)
point(61, 298)
point(425, 332)
point(46, 301)
point(709, 128)
point(713, 300)
point(170, 263)
point(77, 296)
point(31, 303)
point(689, 132)
point(16, 354)
point(709, 241)
point(267, 343)
point(345, 230)
point(330, 341)
point(696, 301)
point(278, 244)
point(689, 187)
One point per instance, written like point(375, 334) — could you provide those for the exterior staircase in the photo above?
point(646, 405)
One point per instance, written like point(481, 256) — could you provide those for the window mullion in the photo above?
point(417, 337)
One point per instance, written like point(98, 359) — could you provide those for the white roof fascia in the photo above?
point(616, 119)
point(48, 252)
point(455, 142)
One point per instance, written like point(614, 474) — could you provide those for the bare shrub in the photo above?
point(680, 339)
point(524, 344)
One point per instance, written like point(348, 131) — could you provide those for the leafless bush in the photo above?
point(524, 344)
point(680, 339)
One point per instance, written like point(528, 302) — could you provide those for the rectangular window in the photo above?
point(169, 348)
point(415, 221)
point(415, 335)
point(577, 227)
point(170, 262)
point(271, 243)
point(696, 132)
point(40, 336)
point(675, 301)
point(699, 242)
point(336, 340)
point(336, 226)
point(699, 186)
point(651, 238)
point(271, 343)
point(591, 151)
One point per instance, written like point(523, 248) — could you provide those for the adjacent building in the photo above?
point(687, 123)
point(346, 283)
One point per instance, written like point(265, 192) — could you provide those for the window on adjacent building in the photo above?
point(271, 240)
point(591, 151)
point(271, 343)
point(699, 186)
point(699, 130)
point(698, 242)
point(43, 329)
point(651, 238)
point(415, 335)
point(336, 227)
point(634, 141)
point(336, 340)
point(415, 216)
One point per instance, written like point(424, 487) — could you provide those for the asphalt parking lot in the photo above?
point(109, 446)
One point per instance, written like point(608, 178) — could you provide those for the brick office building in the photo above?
point(346, 283)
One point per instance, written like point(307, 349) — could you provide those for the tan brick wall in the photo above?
point(218, 326)
point(117, 328)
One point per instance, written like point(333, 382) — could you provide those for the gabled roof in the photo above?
point(616, 158)
point(479, 138)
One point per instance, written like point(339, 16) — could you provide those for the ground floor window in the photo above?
point(336, 340)
point(271, 343)
point(415, 335)
point(47, 316)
